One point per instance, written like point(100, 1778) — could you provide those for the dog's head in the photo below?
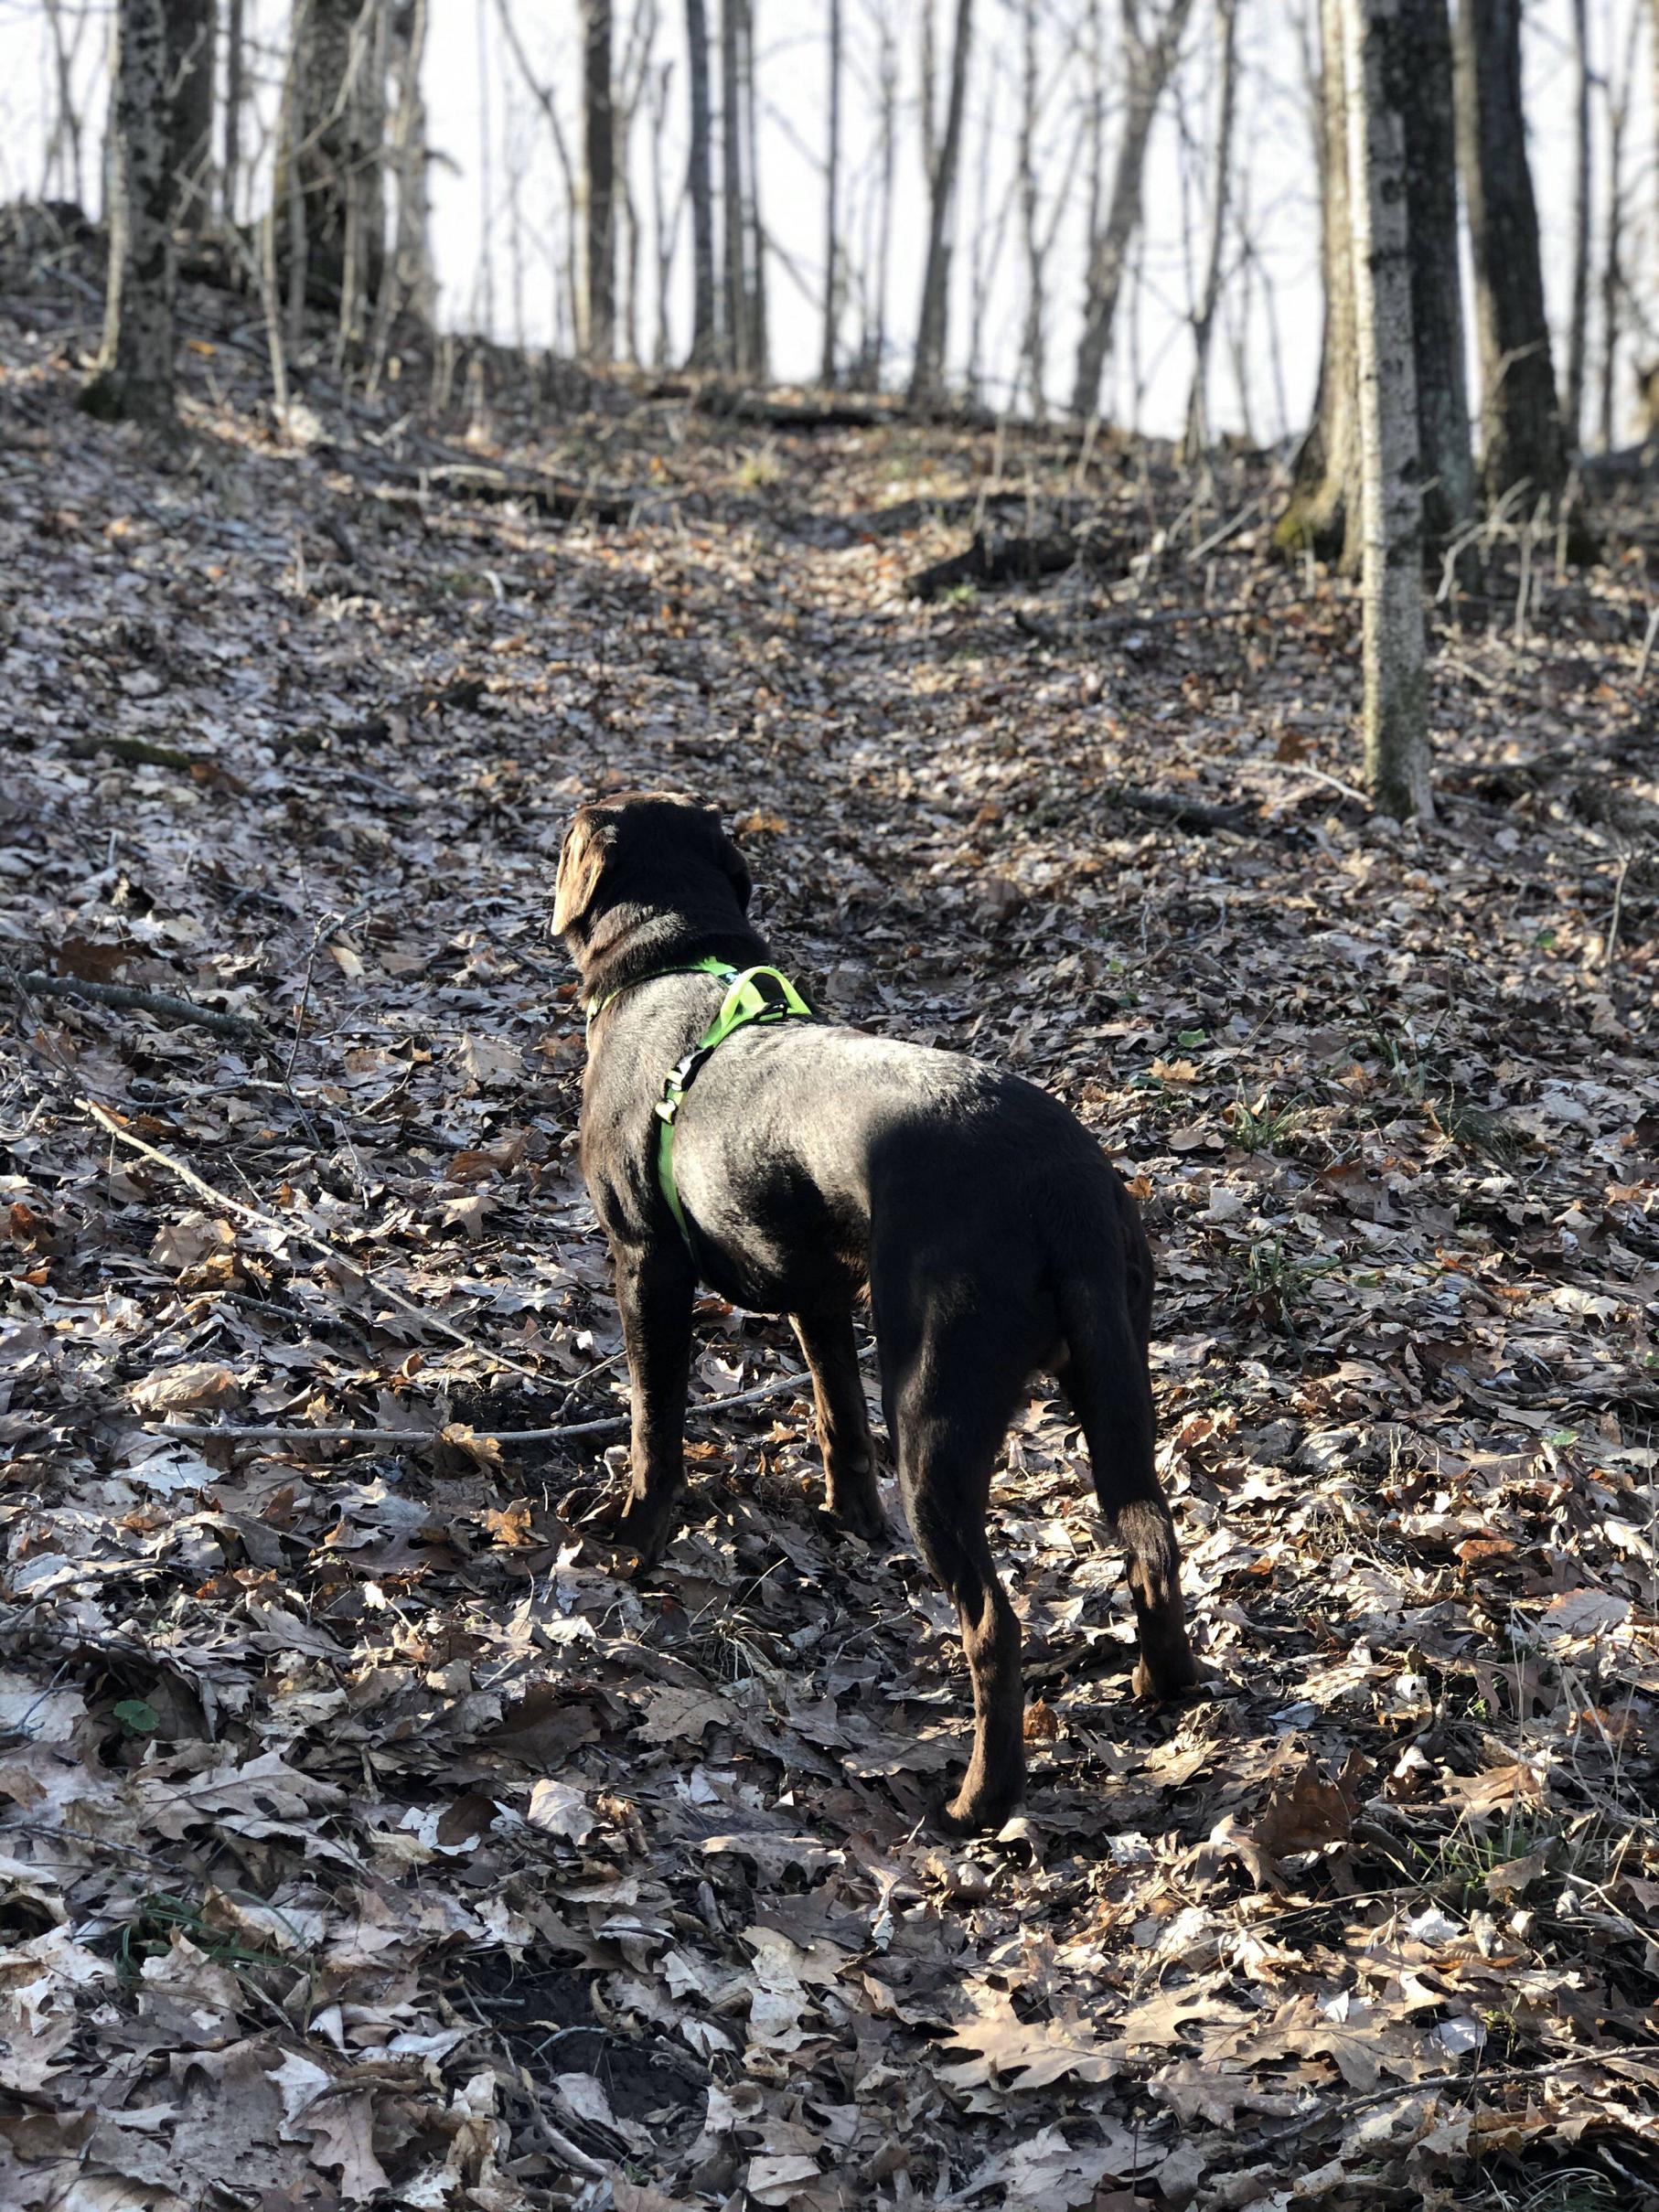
point(646, 850)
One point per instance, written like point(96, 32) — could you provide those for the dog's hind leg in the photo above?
point(949, 1397)
point(844, 1423)
point(1104, 1376)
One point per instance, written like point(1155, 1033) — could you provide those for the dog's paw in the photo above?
point(979, 1808)
point(863, 1517)
point(1170, 1686)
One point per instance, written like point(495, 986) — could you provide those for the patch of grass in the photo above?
point(1278, 1281)
point(149, 1935)
point(759, 471)
point(1268, 1126)
point(1473, 1129)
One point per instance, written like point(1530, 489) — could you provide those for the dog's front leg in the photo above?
point(654, 1289)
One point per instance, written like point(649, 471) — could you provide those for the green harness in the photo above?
point(753, 994)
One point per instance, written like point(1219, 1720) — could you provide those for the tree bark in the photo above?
point(328, 184)
point(236, 93)
point(1521, 438)
point(1428, 113)
point(599, 184)
point(1320, 513)
point(134, 376)
point(1572, 397)
point(832, 273)
point(734, 312)
point(700, 185)
point(754, 237)
point(1147, 63)
point(927, 375)
point(416, 281)
point(1198, 403)
point(1378, 66)
point(190, 58)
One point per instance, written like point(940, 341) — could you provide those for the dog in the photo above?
point(810, 1161)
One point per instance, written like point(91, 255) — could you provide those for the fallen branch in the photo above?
point(131, 1000)
point(991, 562)
point(1172, 806)
point(205, 1433)
point(188, 1177)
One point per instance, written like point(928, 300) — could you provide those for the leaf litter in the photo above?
point(365, 1839)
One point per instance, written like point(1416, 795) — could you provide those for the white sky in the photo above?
point(495, 155)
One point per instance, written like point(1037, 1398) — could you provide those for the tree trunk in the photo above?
point(416, 281)
point(1321, 512)
point(599, 184)
point(1521, 440)
point(1147, 63)
point(700, 183)
point(236, 93)
point(927, 375)
point(1379, 64)
point(1034, 337)
point(832, 272)
point(1198, 403)
point(327, 180)
point(134, 376)
point(1428, 112)
point(190, 58)
point(734, 314)
point(754, 237)
point(1572, 398)
point(665, 229)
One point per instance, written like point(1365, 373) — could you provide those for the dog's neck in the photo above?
point(629, 942)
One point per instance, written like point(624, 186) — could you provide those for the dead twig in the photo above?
point(201, 1433)
point(188, 1177)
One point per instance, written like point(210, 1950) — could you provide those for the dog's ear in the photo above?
point(583, 859)
point(733, 861)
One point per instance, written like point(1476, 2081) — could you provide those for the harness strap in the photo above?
point(757, 994)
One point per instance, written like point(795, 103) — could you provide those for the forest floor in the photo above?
point(364, 1840)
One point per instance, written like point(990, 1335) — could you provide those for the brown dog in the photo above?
point(809, 1160)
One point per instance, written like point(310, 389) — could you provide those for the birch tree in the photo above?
point(942, 153)
point(1378, 62)
point(1150, 53)
point(134, 376)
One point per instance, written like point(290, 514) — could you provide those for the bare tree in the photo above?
point(942, 153)
point(236, 93)
point(832, 176)
point(1198, 403)
point(1615, 291)
point(700, 185)
point(1149, 55)
point(1428, 114)
point(665, 226)
point(63, 145)
point(1319, 512)
point(416, 284)
point(599, 184)
point(1521, 440)
point(1377, 64)
point(191, 29)
point(328, 184)
point(734, 316)
point(1572, 397)
point(134, 376)
point(545, 100)
point(872, 345)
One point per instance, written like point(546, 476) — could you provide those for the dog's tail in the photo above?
point(1104, 1376)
